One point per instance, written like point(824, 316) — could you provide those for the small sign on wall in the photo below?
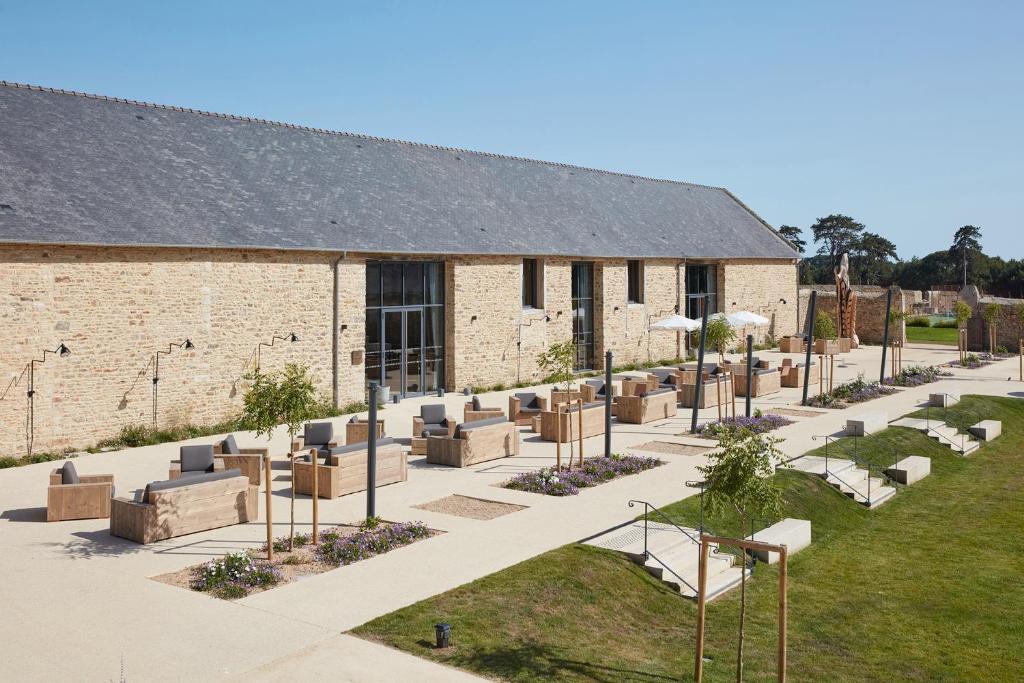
point(357, 357)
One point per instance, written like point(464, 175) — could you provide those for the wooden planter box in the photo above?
point(471, 445)
point(185, 510)
point(793, 345)
point(593, 423)
point(641, 409)
point(845, 344)
point(346, 473)
point(825, 347)
point(88, 500)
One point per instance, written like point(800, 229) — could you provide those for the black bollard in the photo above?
point(811, 311)
point(608, 403)
point(750, 370)
point(885, 334)
point(700, 365)
point(371, 456)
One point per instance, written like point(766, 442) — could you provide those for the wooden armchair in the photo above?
point(358, 431)
point(249, 460)
point(194, 460)
point(594, 391)
point(524, 406)
point(473, 411)
point(318, 435)
point(634, 386)
point(74, 496)
point(433, 419)
point(792, 374)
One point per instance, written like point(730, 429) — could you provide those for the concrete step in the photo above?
point(717, 585)
point(629, 539)
point(686, 563)
point(949, 436)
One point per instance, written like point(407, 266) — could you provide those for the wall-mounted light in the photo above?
point(187, 345)
point(782, 301)
point(472, 318)
point(290, 338)
point(62, 351)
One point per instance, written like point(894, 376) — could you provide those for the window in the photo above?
point(635, 282)
point(533, 283)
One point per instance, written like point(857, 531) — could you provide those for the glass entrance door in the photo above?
point(583, 313)
point(403, 350)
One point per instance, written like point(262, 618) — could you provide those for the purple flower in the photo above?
point(565, 482)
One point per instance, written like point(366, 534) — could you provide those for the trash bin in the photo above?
point(443, 633)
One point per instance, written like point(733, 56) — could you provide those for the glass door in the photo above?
point(393, 351)
point(583, 313)
point(403, 351)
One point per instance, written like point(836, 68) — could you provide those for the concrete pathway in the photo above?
point(77, 602)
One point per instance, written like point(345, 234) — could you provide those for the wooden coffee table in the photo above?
point(419, 445)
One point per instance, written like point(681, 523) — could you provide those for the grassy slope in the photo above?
point(929, 587)
point(932, 335)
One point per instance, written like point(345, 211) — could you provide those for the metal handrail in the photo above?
point(855, 457)
point(663, 516)
point(945, 419)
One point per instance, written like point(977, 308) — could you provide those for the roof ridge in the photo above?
point(362, 136)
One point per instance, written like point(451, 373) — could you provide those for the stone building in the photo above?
point(126, 228)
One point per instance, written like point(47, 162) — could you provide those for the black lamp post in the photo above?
point(61, 351)
point(188, 346)
point(291, 337)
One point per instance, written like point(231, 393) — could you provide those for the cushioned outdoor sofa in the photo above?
point(194, 460)
point(474, 410)
point(792, 374)
point(432, 421)
point(715, 387)
point(473, 442)
point(342, 470)
point(166, 509)
point(74, 496)
point(358, 430)
point(315, 435)
point(765, 379)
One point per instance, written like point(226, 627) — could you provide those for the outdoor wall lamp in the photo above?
point(186, 345)
point(290, 337)
point(62, 351)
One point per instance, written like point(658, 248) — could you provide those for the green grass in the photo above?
point(932, 335)
point(928, 587)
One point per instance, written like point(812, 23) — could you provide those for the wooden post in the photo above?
point(731, 388)
point(821, 374)
point(1020, 357)
point(718, 387)
point(316, 494)
point(702, 582)
point(558, 437)
point(831, 371)
point(270, 511)
point(291, 524)
point(783, 571)
point(579, 402)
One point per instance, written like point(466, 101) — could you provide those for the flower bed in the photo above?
point(854, 391)
point(758, 424)
point(916, 375)
point(565, 482)
point(239, 574)
point(973, 361)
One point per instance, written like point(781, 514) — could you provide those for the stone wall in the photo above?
point(871, 312)
point(115, 307)
point(1009, 327)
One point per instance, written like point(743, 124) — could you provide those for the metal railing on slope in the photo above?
point(648, 554)
point(962, 431)
point(857, 460)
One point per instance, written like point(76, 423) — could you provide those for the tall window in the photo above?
point(701, 280)
point(635, 282)
point(533, 283)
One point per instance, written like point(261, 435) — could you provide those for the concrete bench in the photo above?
point(865, 424)
point(986, 430)
point(910, 469)
point(944, 400)
point(795, 534)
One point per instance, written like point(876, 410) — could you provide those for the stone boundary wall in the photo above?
point(1009, 329)
point(870, 310)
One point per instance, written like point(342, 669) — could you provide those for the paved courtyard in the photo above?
point(78, 602)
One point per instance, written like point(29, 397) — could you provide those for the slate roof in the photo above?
point(84, 169)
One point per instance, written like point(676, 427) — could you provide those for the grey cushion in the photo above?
point(187, 480)
point(355, 419)
point(435, 429)
point(656, 392)
point(68, 474)
point(318, 433)
point(527, 400)
point(662, 374)
point(196, 458)
point(229, 446)
point(476, 424)
point(433, 413)
point(360, 446)
point(476, 403)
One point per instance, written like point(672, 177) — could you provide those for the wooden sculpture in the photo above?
point(846, 303)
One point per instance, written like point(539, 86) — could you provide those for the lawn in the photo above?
point(929, 587)
point(932, 335)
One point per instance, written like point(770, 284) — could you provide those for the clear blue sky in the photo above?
point(906, 115)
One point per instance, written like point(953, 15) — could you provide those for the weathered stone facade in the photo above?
point(115, 307)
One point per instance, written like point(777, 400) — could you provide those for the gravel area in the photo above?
point(473, 508)
point(671, 448)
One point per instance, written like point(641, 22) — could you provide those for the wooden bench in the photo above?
point(167, 509)
point(344, 471)
point(792, 374)
point(765, 381)
point(654, 405)
point(474, 442)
